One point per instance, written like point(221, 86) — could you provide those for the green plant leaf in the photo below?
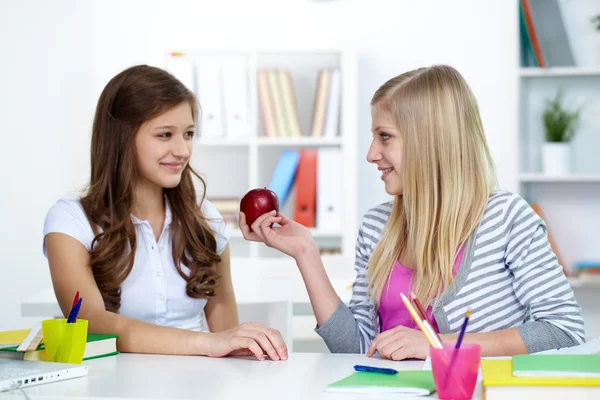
point(559, 123)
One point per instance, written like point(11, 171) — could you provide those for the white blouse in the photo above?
point(154, 291)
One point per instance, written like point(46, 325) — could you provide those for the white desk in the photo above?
point(136, 376)
point(254, 281)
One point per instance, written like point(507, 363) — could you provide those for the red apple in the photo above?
point(258, 202)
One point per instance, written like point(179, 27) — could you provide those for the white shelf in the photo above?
point(316, 233)
point(235, 233)
point(299, 141)
point(584, 282)
point(572, 178)
point(320, 233)
point(233, 165)
point(534, 72)
point(223, 141)
point(306, 141)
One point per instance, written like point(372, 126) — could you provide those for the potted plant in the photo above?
point(596, 21)
point(559, 128)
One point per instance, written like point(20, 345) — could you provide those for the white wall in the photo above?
point(63, 53)
point(479, 38)
point(46, 106)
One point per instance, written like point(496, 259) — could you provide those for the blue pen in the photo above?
point(74, 311)
point(366, 368)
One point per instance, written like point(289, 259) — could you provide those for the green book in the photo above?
point(97, 346)
point(557, 365)
point(416, 383)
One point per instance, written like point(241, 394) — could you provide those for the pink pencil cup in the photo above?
point(455, 375)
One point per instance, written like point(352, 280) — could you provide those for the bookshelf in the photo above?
point(232, 163)
point(534, 72)
point(570, 178)
point(569, 202)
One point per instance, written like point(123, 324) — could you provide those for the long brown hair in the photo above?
point(136, 95)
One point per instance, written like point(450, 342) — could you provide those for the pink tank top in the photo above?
point(392, 311)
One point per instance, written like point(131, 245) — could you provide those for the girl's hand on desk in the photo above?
point(290, 238)
point(247, 339)
point(400, 343)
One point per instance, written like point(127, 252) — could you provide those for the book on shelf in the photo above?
point(327, 103)
point(543, 35)
point(229, 208)
point(277, 102)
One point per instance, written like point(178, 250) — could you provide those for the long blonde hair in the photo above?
point(448, 175)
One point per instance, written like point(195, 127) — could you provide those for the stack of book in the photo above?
point(543, 376)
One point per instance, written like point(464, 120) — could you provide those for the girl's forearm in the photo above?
point(142, 337)
point(323, 298)
point(506, 342)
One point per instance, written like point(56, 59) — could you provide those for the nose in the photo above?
point(181, 147)
point(374, 154)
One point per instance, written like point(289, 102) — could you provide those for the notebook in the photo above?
point(567, 365)
point(500, 384)
point(97, 346)
point(416, 383)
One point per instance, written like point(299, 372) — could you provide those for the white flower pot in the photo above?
point(556, 158)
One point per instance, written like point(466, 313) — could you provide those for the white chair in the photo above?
point(276, 315)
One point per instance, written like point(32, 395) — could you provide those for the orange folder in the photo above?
point(306, 188)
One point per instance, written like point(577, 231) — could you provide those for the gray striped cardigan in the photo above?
point(508, 275)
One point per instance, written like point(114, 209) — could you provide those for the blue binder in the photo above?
point(284, 174)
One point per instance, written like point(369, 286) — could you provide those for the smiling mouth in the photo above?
point(172, 166)
point(385, 172)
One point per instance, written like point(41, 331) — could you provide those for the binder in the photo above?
point(284, 174)
point(329, 189)
point(306, 188)
point(182, 68)
point(209, 93)
point(236, 95)
point(332, 116)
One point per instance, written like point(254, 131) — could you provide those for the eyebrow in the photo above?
point(171, 127)
point(382, 128)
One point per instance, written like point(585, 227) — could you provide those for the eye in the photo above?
point(165, 135)
point(190, 134)
point(384, 136)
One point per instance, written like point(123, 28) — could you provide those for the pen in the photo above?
point(366, 368)
point(461, 335)
point(426, 321)
point(419, 322)
point(429, 338)
point(74, 311)
point(458, 343)
point(76, 299)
